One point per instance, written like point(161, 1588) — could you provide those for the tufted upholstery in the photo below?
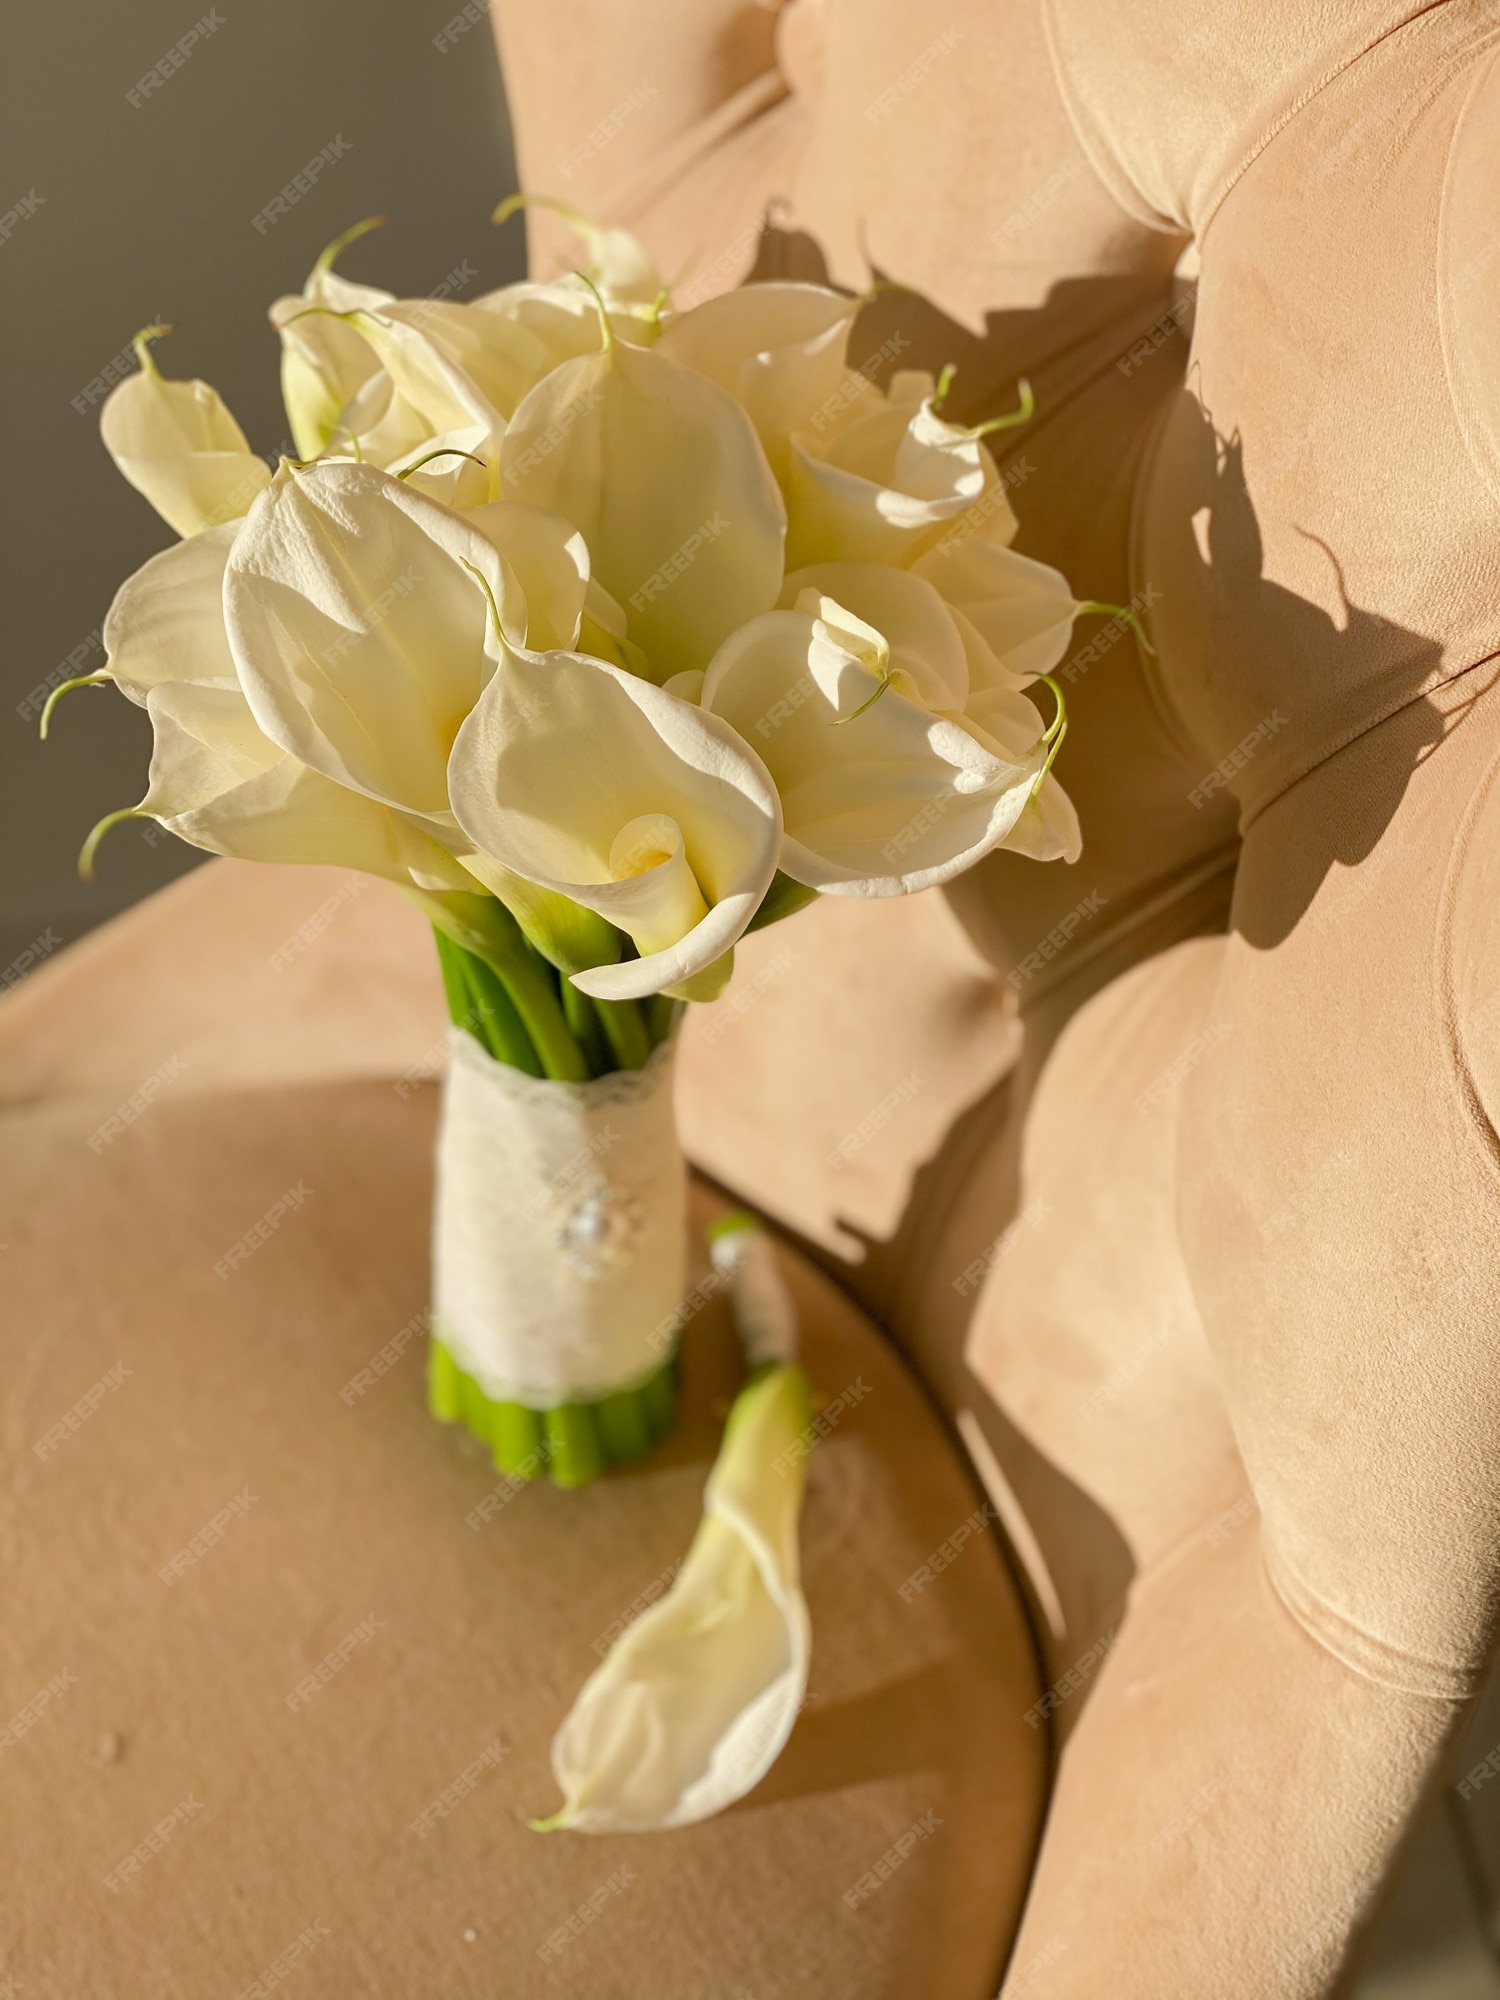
point(1232, 1370)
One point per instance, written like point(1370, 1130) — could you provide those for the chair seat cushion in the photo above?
point(283, 1664)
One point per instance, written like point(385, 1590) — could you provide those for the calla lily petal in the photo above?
point(177, 443)
point(325, 360)
point(618, 263)
point(563, 755)
point(358, 628)
point(927, 654)
point(455, 363)
point(663, 474)
point(1022, 609)
point(1048, 828)
point(563, 316)
point(218, 783)
point(550, 561)
point(695, 1702)
point(892, 485)
point(880, 796)
point(166, 623)
point(778, 349)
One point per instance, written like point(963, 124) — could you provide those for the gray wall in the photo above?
point(145, 212)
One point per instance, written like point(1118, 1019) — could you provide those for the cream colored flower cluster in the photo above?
point(616, 613)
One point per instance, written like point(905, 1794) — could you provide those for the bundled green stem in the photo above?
point(518, 1008)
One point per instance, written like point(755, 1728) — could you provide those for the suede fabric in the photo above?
point(284, 1658)
point(1228, 1363)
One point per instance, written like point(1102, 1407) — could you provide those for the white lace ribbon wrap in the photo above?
point(560, 1228)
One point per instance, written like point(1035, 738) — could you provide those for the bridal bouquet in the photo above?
point(608, 634)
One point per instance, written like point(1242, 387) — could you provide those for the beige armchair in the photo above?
point(1154, 1203)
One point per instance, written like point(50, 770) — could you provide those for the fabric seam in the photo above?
point(1315, 90)
point(1351, 736)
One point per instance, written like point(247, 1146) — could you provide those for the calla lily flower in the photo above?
point(890, 486)
point(166, 624)
point(778, 349)
point(460, 467)
point(327, 366)
point(662, 472)
point(358, 632)
point(394, 377)
point(1023, 610)
point(880, 794)
point(608, 791)
point(217, 781)
point(177, 443)
point(941, 650)
point(563, 316)
point(359, 620)
point(451, 365)
point(618, 264)
point(927, 657)
point(695, 1702)
point(454, 365)
point(550, 563)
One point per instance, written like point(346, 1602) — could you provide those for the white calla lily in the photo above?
point(550, 561)
point(177, 443)
point(326, 363)
point(605, 789)
point(358, 630)
point(928, 660)
point(696, 1700)
point(166, 623)
point(619, 266)
point(892, 485)
point(662, 472)
point(778, 349)
point(460, 371)
point(453, 365)
point(397, 378)
point(1023, 610)
point(219, 783)
point(562, 315)
point(943, 646)
point(216, 780)
point(880, 795)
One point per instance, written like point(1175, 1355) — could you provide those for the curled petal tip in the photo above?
point(340, 244)
point(141, 342)
point(79, 681)
point(91, 846)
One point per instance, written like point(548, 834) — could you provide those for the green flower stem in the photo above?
point(659, 1401)
point(444, 1384)
point(624, 1026)
point(572, 1443)
point(483, 927)
point(587, 1029)
point(574, 1454)
point(478, 1002)
point(783, 899)
point(661, 1017)
point(527, 978)
point(502, 991)
point(516, 1439)
point(502, 1031)
point(455, 990)
point(623, 1430)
